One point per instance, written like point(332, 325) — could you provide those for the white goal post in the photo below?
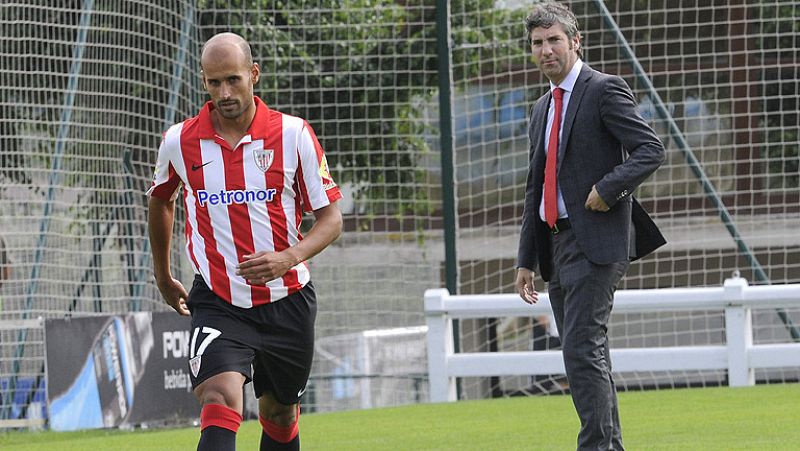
point(739, 356)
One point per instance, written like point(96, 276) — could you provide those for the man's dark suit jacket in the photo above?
point(601, 125)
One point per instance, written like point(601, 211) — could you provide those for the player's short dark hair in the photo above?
point(547, 14)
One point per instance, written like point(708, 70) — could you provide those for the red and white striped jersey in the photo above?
point(244, 200)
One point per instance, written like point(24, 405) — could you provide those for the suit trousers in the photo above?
point(582, 295)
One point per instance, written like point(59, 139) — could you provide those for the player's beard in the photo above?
point(230, 113)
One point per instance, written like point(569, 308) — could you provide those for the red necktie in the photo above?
point(550, 196)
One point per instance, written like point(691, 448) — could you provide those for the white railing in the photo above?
point(738, 356)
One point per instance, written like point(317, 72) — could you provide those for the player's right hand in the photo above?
point(524, 284)
point(174, 294)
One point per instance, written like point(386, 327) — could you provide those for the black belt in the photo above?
point(560, 225)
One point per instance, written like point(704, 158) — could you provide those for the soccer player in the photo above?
point(581, 225)
point(248, 174)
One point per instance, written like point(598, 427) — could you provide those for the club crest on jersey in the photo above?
point(194, 365)
point(263, 158)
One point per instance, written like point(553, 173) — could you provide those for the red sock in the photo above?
point(282, 434)
point(220, 416)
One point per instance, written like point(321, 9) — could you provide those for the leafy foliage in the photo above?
point(354, 69)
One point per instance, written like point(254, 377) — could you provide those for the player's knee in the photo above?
point(281, 414)
point(280, 422)
point(220, 390)
point(210, 397)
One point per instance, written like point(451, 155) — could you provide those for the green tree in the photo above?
point(355, 69)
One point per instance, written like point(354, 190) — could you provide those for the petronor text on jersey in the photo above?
point(238, 196)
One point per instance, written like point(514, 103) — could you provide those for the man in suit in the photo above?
point(581, 225)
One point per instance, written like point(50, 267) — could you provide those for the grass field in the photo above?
point(752, 418)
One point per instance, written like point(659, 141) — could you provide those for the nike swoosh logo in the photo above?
point(198, 166)
point(300, 393)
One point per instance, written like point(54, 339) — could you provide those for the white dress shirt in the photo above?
point(568, 84)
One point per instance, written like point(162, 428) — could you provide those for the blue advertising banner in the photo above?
point(121, 370)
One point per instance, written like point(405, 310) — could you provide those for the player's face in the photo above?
point(229, 81)
point(553, 52)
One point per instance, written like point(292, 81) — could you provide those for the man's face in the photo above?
point(553, 52)
point(229, 81)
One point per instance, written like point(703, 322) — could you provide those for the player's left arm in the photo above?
point(261, 267)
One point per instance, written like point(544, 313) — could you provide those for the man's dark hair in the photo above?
point(545, 15)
